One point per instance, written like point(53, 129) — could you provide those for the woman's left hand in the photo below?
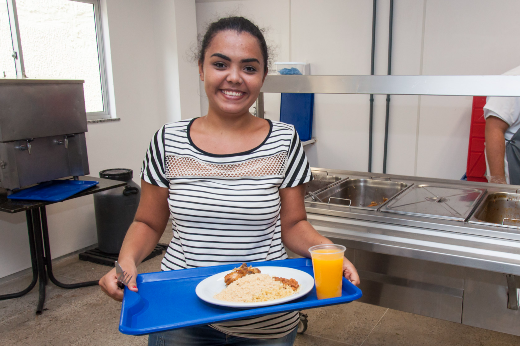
point(350, 272)
point(299, 235)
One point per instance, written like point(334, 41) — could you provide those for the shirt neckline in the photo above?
point(228, 155)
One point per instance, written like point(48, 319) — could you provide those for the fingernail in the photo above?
point(134, 286)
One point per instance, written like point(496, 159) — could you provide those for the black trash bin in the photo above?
point(115, 209)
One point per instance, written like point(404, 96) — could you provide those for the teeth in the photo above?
point(232, 93)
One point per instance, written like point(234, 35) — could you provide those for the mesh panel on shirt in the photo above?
point(184, 166)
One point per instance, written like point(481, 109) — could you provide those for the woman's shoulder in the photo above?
point(176, 130)
point(281, 137)
point(282, 127)
point(180, 125)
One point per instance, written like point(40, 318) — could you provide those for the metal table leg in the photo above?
point(512, 293)
point(34, 263)
point(48, 258)
point(41, 259)
point(42, 275)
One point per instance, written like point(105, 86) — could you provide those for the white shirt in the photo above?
point(508, 110)
point(226, 208)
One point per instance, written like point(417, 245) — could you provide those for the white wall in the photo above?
point(175, 41)
point(322, 34)
point(461, 37)
point(428, 135)
point(154, 82)
point(152, 85)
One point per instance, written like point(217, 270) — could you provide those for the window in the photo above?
point(56, 39)
point(6, 48)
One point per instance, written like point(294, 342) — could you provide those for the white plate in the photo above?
point(214, 284)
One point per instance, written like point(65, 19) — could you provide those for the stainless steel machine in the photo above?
point(42, 131)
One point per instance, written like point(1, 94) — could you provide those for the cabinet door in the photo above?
point(485, 302)
point(47, 159)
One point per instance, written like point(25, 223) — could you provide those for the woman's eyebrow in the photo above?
point(250, 60)
point(222, 56)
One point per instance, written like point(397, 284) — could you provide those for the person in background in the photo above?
point(233, 185)
point(502, 116)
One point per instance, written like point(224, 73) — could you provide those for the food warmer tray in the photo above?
point(167, 300)
point(430, 200)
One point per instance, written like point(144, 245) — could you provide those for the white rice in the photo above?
point(254, 288)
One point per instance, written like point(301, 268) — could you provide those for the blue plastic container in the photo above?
point(297, 110)
point(167, 300)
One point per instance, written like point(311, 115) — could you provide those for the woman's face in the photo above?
point(233, 72)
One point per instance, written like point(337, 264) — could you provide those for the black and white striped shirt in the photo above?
point(226, 208)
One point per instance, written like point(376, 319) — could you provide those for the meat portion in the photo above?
point(288, 282)
point(244, 270)
point(252, 270)
point(240, 272)
point(228, 279)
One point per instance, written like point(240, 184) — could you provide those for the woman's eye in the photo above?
point(219, 64)
point(250, 69)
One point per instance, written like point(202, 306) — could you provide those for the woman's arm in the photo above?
point(496, 148)
point(142, 236)
point(298, 234)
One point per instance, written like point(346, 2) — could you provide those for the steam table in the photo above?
point(39, 238)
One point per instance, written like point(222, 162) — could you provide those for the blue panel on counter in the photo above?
point(167, 300)
point(53, 191)
point(297, 109)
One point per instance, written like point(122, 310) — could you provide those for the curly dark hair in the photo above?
point(238, 24)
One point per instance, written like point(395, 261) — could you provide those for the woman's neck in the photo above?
point(228, 134)
point(227, 123)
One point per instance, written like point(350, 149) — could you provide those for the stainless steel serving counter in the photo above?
point(446, 264)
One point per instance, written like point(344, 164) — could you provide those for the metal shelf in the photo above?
point(310, 141)
point(392, 85)
point(396, 85)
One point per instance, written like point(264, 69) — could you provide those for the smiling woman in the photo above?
point(232, 72)
point(233, 76)
point(233, 185)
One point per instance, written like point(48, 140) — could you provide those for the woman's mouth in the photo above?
point(233, 93)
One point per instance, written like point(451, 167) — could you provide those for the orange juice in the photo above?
point(328, 271)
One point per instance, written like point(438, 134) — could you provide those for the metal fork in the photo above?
point(123, 278)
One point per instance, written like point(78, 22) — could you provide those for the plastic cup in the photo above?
point(327, 263)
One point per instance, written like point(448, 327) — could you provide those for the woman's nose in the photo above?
point(234, 76)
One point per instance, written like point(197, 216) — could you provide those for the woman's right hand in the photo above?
point(108, 283)
point(141, 238)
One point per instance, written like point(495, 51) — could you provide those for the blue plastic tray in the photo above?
point(167, 300)
point(54, 190)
